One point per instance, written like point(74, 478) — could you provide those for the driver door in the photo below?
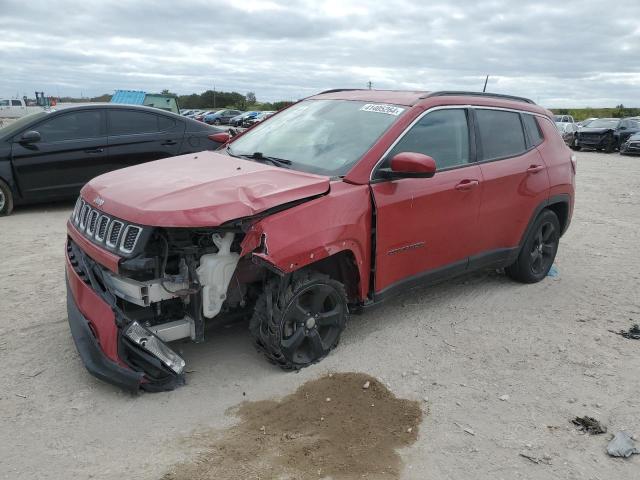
point(427, 228)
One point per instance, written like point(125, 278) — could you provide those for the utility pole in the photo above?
point(484, 89)
point(369, 84)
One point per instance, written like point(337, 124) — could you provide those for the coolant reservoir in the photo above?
point(215, 272)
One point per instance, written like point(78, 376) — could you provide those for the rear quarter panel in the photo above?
point(557, 157)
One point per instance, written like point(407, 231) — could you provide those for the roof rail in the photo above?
point(334, 90)
point(450, 93)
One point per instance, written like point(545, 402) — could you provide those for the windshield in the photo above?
point(603, 123)
point(14, 127)
point(326, 137)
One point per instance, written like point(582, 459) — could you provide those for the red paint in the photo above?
point(99, 314)
point(411, 162)
point(510, 194)
point(425, 223)
point(422, 224)
point(100, 255)
point(199, 190)
point(317, 229)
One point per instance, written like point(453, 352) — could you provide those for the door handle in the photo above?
point(169, 142)
point(94, 150)
point(535, 168)
point(467, 184)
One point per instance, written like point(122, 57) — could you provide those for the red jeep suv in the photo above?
point(331, 205)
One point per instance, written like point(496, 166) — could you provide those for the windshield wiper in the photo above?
point(258, 156)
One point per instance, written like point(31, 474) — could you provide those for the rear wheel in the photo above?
point(539, 250)
point(298, 324)
point(217, 122)
point(6, 199)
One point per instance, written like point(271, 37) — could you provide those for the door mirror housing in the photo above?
point(30, 136)
point(220, 137)
point(410, 165)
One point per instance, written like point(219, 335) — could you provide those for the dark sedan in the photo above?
point(631, 146)
point(607, 134)
point(49, 156)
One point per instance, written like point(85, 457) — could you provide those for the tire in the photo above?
point(296, 323)
point(217, 122)
point(611, 146)
point(575, 145)
point(538, 251)
point(6, 199)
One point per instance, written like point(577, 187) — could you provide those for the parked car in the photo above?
point(50, 155)
point(248, 122)
point(238, 119)
point(333, 204)
point(585, 122)
point(563, 119)
point(221, 117)
point(200, 116)
point(631, 146)
point(569, 132)
point(607, 133)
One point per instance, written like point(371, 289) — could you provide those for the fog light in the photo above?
point(152, 344)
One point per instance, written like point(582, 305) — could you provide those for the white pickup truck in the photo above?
point(12, 108)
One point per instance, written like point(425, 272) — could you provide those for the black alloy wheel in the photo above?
point(306, 320)
point(539, 250)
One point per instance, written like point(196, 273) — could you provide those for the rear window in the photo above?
point(501, 134)
point(129, 122)
point(533, 129)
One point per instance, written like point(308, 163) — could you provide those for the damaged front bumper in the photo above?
point(113, 348)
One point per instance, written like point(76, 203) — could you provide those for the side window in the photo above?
point(443, 135)
point(4, 103)
point(16, 103)
point(533, 129)
point(72, 126)
point(165, 123)
point(501, 134)
point(129, 122)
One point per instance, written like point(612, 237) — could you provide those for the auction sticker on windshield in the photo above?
point(382, 108)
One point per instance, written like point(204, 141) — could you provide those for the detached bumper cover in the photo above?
point(92, 356)
point(94, 319)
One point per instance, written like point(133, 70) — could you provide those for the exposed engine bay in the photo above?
point(172, 282)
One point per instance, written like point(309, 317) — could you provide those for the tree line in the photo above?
point(578, 114)
point(208, 100)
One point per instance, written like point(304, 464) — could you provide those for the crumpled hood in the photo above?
point(595, 130)
point(198, 190)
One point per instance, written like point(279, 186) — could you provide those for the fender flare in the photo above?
point(563, 198)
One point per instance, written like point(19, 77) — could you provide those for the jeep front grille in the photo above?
point(129, 238)
point(114, 234)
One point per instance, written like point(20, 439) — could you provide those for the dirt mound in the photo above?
point(331, 427)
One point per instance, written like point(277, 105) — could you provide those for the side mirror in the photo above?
point(410, 165)
point(30, 137)
point(220, 137)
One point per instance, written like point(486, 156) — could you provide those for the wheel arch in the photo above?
point(558, 204)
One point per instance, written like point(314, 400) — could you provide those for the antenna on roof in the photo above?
point(484, 89)
point(369, 84)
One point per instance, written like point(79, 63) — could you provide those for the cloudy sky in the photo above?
point(559, 53)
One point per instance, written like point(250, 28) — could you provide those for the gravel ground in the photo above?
point(511, 364)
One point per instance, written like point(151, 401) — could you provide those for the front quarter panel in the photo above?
point(297, 237)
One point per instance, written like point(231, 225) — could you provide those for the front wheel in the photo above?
point(539, 250)
point(6, 199)
point(217, 122)
point(299, 323)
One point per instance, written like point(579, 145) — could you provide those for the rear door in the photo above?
point(72, 150)
point(137, 136)
point(515, 176)
point(428, 226)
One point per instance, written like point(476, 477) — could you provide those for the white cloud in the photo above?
point(571, 53)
